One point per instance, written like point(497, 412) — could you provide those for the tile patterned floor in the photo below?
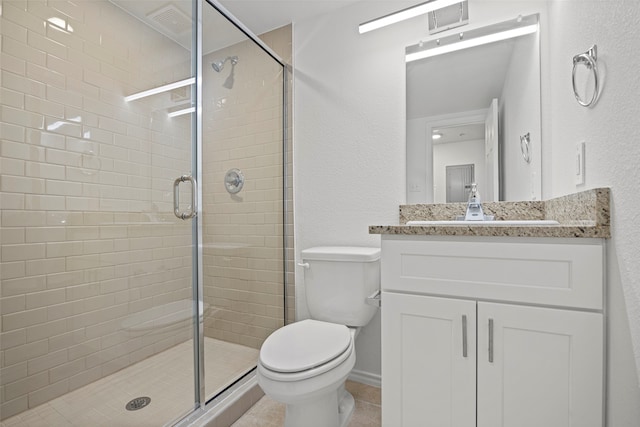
point(166, 377)
point(269, 413)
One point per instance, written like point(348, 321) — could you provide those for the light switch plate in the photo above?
point(580, 148)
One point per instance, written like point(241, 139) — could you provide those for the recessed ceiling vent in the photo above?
point(449, 17)
point(180, 94)
point(172, 19)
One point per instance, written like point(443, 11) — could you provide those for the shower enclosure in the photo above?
point(144, 209)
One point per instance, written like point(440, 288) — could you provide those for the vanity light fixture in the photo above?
point(490, 34)
point(436, 135)
point(181, 112)
point(401, 15)
point(160, 89)
point(60, 24)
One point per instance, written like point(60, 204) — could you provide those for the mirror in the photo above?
point(468, 113)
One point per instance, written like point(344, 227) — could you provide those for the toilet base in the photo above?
point(345, 407)
point(323, 411)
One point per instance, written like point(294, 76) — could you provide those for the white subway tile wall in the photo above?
point(243, 233)
point(88, 237)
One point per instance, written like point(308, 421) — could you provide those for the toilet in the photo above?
point(305, 364)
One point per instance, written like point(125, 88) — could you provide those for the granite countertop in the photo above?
point(584, 214)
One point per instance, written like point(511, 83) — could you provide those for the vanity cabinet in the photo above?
point(458, 351)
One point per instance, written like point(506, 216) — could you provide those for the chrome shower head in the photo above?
point(219, 65)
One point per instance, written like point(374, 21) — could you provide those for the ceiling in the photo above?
point(460, 133)
point(465, 80)
point(172, 18)
point(264, 15)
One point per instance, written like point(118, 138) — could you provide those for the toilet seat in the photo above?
point(305, 349)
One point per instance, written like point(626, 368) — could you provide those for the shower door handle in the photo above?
point(193, 209)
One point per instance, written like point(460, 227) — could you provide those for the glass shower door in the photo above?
point(242, 179)
point(97, 271)
point(103, 270)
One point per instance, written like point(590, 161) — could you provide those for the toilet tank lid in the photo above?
point(341, 253)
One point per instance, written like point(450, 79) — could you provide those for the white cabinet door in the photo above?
point(547, 367)
point(428, 379)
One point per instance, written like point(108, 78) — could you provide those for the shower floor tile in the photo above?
point(167, 378)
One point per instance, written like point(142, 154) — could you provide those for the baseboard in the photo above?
point(366, 378)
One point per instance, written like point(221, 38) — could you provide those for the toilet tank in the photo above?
point(338, 279)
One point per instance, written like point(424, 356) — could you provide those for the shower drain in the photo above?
point(138, 403)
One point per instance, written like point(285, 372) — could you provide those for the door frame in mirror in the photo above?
point(435, 122)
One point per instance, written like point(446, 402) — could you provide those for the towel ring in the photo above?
point(589, 59)
point(525, 147)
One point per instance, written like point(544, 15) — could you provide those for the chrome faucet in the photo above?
point(474, 206)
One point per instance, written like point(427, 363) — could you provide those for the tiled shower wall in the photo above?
point(88, 235)
point(243, 243)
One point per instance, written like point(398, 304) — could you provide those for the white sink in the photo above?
point(498, 223)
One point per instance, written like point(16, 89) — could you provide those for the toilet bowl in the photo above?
point(305, 364)
point(305, 367)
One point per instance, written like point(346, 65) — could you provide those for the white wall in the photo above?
point(350, 152)
point(349, 121)
point(610, 130)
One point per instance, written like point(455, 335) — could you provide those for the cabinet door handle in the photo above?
point(490, 340)
point(464, 335)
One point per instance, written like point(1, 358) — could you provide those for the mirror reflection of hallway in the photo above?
point(458, 182)
point(452, 92)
